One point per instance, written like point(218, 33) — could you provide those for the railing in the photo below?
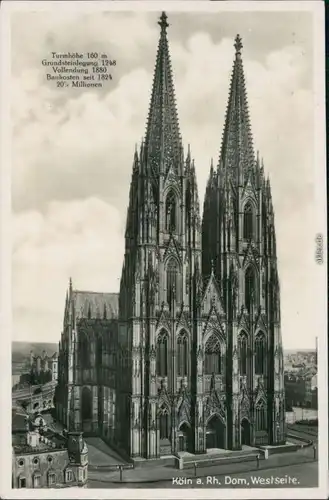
point(110, 467)
point(209, 461)
point(305, 442)
point(302, 430)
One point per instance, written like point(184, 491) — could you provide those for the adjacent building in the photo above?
point(42, 459)
point(189, 355)
point(301, 388)
point(87, 363)
point(43, 368)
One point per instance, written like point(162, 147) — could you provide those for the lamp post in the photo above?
point(120, 467)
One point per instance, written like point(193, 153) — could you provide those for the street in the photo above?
point(304, 474)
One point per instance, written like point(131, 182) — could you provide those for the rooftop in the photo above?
point(25, 449)
point(96, 305)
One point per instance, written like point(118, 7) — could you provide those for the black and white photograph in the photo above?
point(165, 294)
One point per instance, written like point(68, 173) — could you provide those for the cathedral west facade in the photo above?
point(188, 356)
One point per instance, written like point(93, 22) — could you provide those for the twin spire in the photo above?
point(163, 143)
point(237, 152)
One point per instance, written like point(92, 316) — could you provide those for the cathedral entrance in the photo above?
point(184, 438)
point(245, 432)
point(215, 433)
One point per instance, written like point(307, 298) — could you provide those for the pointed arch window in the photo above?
point(187, 202)
point(182, 354)
point(162, 354)
point(264, 228)
point(243, 353)
point(99, 352)
point(86, 404)
point(213, 359)
point(164, 424)
point(260, 354)
point(248, 222)
point(84, 352)
point(171, 214)
point(261, 417)
point(249, 287)
point(172, 274)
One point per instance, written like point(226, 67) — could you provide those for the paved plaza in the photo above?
point(296, 469)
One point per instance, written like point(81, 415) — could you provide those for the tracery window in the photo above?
point(261, 417)
point(213, 360)
point(86, 404)
point(249, 287)
point(171, 212)
point(182, 346)
point(243, 353)
point(164, 422)
point(162, 354)
point(247, 222)
point(260, 354)
point(172, 288)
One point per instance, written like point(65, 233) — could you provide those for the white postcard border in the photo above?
point(320, 323)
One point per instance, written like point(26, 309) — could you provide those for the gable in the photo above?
point(211, 298)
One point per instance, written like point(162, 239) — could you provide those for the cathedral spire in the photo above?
point(237, 145)
point(163, 145)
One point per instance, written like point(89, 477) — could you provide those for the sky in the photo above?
point(72, 149)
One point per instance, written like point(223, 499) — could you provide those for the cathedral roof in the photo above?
point(163, 141)
point(94, 305)
point(237, 144)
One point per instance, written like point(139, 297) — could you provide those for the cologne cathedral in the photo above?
point(188, 356)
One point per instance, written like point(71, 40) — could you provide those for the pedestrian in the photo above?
point(195, 466)
point(257, 458)
point(120, 469)
point(314, 451)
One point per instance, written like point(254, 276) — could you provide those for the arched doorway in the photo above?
point(184, 437)
point(245, 432)
point(215, 433)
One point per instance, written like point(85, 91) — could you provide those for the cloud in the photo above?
point(78, 145)
point(77, 238)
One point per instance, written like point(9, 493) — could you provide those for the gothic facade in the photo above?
point(87, 361)
point(195, 331)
